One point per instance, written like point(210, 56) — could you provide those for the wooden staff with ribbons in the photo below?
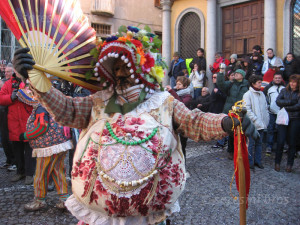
point(241, 162)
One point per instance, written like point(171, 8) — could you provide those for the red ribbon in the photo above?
point(244, 152)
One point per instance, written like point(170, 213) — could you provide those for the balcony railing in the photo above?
point(104, 7)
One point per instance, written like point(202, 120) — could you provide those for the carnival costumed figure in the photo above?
point(50, 146)
point(128, 166)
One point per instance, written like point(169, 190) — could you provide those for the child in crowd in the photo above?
point(50, 146)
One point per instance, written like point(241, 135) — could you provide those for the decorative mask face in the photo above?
point(122, 75)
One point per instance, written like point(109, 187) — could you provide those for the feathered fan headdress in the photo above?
point(59, 37)
point(137, 48)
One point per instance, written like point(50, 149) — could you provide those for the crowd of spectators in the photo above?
point(267, 86)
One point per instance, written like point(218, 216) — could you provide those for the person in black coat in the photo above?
point(202, 102)
point(199, 60)
point(217, 98)
point(217, 101)
point(256, 64)
point(291, 66)
point(289, 98)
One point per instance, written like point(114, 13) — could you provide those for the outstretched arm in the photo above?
point(196, 124)
point(67, 111)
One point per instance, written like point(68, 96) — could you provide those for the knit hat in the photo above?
point(233, 56)
point(241, 72)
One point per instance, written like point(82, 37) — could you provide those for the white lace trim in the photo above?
point(81, 212)
point(55, 149)
point(154, 102)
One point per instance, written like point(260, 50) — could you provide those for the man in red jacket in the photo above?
point(215, 68)
point(18, 113)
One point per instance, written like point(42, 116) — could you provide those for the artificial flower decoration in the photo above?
point(149, 63)
point(137, 48)
point(158, 73)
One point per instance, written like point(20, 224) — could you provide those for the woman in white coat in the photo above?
point(257, 110)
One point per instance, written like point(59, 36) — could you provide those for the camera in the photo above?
point(222, 66)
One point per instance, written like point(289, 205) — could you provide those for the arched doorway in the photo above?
point(295, 27)
point(189, 35)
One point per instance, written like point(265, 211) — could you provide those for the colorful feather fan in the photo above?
point(59, 37)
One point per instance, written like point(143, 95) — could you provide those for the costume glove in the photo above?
point(14, 95)
point(23, 61)
point(247, 126)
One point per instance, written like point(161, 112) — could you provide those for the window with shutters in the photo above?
point(102, 30)
point(189, 35)
point(295, 28)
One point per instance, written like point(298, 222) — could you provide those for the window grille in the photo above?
point(295, 28)
point(102, 29)
point(189, 35)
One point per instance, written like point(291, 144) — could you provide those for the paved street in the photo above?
point(274, 197)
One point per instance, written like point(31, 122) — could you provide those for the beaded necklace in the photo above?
point(129, 142)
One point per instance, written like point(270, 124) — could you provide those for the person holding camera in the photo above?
point(18, 113)
point(215, 68)
point(235, 91)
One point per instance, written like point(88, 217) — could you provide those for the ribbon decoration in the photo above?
point(241, 162)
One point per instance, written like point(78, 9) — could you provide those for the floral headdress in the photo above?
point(137, 48)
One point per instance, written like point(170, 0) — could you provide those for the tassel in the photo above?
point(151, 194)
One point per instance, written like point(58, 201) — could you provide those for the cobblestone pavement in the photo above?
point(274, 197)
